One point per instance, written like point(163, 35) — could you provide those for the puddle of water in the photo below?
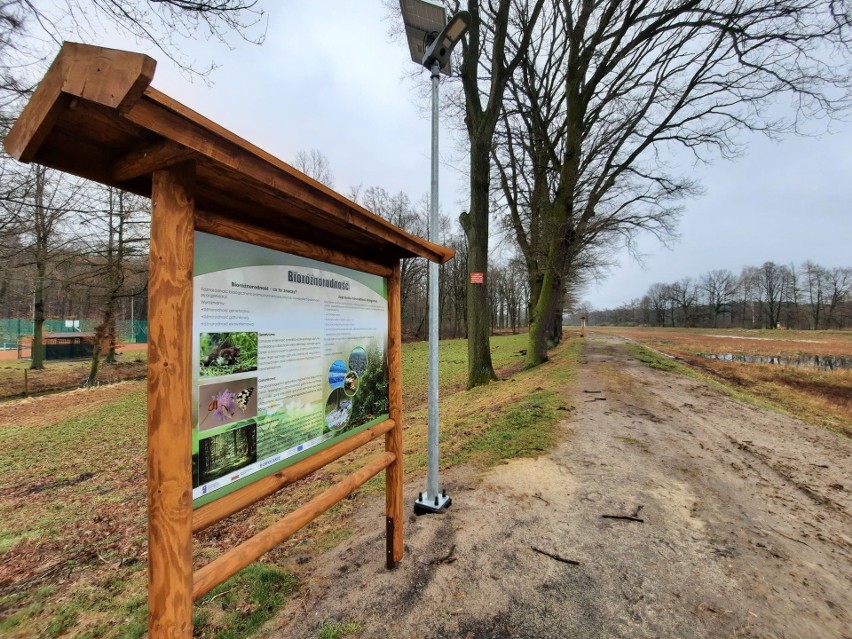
point(821, 362)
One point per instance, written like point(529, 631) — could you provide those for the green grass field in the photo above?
point(72, 495)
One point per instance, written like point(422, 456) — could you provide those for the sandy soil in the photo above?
point(745, 531)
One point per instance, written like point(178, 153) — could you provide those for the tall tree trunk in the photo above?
point(481, 121)
point(100, 333)
point(541, 318)
point(38, 320)
point(41, 252)
point(475, 225)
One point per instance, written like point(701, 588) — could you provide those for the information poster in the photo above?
point(289, 356)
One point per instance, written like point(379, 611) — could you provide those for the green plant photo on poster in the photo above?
point(371, 399)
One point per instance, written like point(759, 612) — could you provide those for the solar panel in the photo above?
point(422, 17)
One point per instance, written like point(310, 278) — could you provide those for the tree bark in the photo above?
point(38, 321)
point(475, 225)
point(42, 231)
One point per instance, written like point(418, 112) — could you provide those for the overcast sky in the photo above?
point(329, 77)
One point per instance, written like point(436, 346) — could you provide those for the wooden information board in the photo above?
point(219, 370)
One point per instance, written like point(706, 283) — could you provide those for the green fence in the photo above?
point(11, 330)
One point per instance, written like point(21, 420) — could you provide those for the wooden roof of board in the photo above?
point(95, 115)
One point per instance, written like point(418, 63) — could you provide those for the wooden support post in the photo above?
point(393, 439)
point(169, 404)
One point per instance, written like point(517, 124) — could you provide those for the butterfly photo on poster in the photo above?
point(226, 403)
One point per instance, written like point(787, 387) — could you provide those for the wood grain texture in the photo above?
point(238, 558)
point(148, 159)
point(393, 439)
point(107, 76)
point(169, 405)
point(110, 77)
point(244, 232)
point(229, 504)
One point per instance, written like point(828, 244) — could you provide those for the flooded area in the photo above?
point(820, 362)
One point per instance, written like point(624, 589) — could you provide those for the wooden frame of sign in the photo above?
point(95, 115)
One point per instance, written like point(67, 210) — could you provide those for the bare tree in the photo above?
point(684, 296)
point(117, 236)
point(772, 282)
point(658, 297)
point(810, 296)
point(453, 286)
point(399, 210)
point(314, 164)
point(27, 27)
point(815, 279)
point(718, 287)
point(839, 289)
point(36, 215)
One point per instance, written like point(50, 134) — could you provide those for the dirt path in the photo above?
point(745, 531)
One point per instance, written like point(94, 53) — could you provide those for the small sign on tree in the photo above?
point(477, 278)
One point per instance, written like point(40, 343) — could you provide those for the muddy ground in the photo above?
point(724, 520)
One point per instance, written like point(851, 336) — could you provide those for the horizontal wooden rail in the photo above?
point(237, 500)
point(218, 570)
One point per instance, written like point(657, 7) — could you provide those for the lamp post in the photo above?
point(431, 40)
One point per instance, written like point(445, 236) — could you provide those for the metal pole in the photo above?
point(434, 500)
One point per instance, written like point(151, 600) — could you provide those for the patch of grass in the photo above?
point(333, 537)
point(525, 429)
point(238, 349)
point(67, 374)
point(452, 363)
point(332, 629)
point(659, 361)
point(655, 359)
point(241, 605)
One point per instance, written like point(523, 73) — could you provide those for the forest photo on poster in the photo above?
point(226, 452)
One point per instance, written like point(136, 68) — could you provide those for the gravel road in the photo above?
point(722, 520)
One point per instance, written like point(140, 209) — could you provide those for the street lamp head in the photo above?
point(442, 44)
point(430, 38)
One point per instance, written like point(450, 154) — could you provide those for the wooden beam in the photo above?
point(246, 232)
point(169, 404)
point(234, 502)
point(149, 159)
point(393, 439)
point(116, 79)
point(236, 559)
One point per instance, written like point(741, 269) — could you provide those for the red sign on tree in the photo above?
point(477, 278)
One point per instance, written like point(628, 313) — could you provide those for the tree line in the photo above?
point(772, 295)
point(506, 288)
